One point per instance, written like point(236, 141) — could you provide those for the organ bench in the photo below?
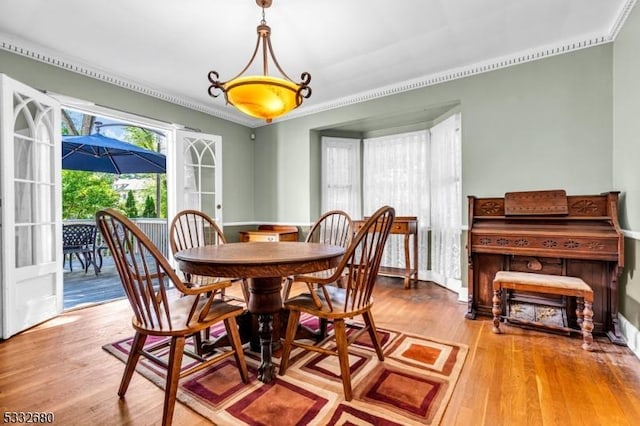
point(549, 284)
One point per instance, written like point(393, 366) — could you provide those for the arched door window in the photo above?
point(202, 173)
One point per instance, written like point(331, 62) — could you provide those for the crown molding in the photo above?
point(625, 10)
point(40, 54)
point(473, 69)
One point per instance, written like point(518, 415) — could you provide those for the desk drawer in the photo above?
point(262, 237)
point(269, 236)
point(399, 228)
point(403, 225)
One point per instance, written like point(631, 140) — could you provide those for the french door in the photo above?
point(30, 207)
point(199, 173)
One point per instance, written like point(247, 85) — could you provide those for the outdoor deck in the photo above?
point(83, 289)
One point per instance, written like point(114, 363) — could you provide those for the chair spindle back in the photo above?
point(362, 258)
point(192, 228)
point(144, 271)
point(333, 227)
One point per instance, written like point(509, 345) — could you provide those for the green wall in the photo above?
point(626, 153)
point(237, 147)
point(568, 121)
point(539, 125)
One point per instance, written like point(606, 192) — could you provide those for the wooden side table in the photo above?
point(270, 233)
point(407, 226)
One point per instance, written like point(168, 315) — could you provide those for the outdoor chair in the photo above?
point(358, 271)
point(98, 248)
point(145, 275)
point(79, 240)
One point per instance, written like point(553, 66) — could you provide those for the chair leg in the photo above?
point(197, 341)
point(373, 333)
point(100, 257)
point(286, 288)
point(322, 332)
point(132, 360)
point(245, 290)
point(79, 260)
point(343, 355)
point(173, 376)
point(87, 262)
point(292, 327)
point(236, 344)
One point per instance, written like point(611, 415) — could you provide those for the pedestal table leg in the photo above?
point(265, 300)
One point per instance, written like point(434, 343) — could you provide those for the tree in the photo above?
point(84, 193)
point(76, 123)
point(147, 139)
point(149, 207)
point(130, 208)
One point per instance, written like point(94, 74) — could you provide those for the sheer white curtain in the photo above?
point(446, 215)
point(396, 172)
point(341, 175)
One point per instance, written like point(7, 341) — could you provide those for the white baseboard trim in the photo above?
point(463, 295)
point(631, 234)
point(631, 335)
point(449, 283)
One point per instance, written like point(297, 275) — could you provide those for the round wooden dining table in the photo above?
point(265, 263)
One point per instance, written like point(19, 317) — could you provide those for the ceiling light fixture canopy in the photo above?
point(262, 96)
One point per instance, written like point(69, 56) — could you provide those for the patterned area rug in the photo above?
point(411, 387)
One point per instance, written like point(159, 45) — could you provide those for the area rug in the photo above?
point(412, 386)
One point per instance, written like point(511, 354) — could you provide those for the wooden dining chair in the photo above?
point(333, 227)
point(361, 262)
point(145, 275)
point(193, 228)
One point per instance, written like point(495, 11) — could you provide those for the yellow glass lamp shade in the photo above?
point(263, 96)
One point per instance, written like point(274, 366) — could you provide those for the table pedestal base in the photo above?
point(266, 371)
point(265, 300)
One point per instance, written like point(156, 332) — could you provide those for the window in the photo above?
point(446, 193)
point(341, 175)
point(396, 172)
point(419, 174)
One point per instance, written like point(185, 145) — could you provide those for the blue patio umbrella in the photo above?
point(99, 153)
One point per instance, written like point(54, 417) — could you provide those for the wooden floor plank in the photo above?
point(521, 377)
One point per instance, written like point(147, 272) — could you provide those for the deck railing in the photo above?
point(155, 229)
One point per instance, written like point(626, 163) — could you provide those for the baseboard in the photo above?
point(449, 283)
point(631, 335)
point(463, 294)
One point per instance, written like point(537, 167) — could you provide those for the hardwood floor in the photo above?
point(521, 377)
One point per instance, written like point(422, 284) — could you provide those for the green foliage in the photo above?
point(130, 208)
point(146, 139)
point(150, 191)
point(84, 193)
point(142, 137)
point(79, 199)
point(149, 207)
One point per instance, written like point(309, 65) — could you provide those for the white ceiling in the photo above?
point(354, 49)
